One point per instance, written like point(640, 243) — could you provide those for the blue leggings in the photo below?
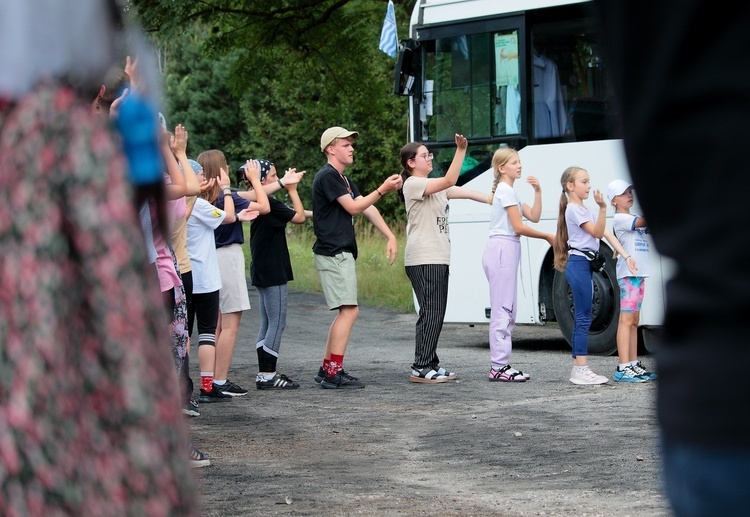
point(578, 275)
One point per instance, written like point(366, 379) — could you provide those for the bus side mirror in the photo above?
point(403, 75)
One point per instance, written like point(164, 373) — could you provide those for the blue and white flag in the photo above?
point(388, 36)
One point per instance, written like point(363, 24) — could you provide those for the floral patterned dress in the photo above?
point(90, 418)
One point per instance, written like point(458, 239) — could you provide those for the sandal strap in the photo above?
point(429, 373)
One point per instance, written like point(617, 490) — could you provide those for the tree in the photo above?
point(293, 68)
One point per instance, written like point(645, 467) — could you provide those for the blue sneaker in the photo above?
point(627, 374)
point(643, 372)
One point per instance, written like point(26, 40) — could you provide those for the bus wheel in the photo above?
point(606, 308)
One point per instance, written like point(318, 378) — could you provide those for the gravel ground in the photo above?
point(466, 447)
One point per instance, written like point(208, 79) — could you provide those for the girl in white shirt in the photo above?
point(578, 234)
point(204, 306)
point(502, 256)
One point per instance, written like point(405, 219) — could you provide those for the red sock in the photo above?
point(334, 364)
point(207, 381)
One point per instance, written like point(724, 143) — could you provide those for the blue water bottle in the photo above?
point(139, 128)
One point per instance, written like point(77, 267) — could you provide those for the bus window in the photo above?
point(572, 98)
point(464, 96)
point(507, 101)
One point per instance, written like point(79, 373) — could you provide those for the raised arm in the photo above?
point(597, 230)
point(451, 176)
point(178, 143)
point(260, 203)
point(226, 191)
point(534, 212)
point(178, 187)
point(299, 209)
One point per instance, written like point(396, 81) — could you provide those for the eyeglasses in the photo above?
point(428, 156)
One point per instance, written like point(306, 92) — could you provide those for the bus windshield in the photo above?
point(534, 77)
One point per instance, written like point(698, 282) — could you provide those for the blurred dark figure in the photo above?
point(90, 419)
point(681, 76)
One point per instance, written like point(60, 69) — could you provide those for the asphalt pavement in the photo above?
point(465, 447)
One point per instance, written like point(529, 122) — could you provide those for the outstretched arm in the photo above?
point(291, 176)
point(514, 216)
point(467, 193)
point(373, 215)
point(362, 203)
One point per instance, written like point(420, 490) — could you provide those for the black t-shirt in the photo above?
point(271, 264)
point(333, 225)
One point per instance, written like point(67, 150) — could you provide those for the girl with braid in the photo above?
point(502, 256)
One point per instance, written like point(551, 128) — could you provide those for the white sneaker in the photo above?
point(587, 377)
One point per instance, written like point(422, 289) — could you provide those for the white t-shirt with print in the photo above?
point(634, 241)
point(427, 234)
point(201, 246)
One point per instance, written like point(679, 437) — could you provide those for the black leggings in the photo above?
point(204, 308)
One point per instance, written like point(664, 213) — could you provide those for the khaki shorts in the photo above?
point(233, 296)
point(338, 278)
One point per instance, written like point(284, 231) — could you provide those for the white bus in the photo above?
point(527, 74)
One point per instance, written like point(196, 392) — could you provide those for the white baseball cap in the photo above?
point(617, 187)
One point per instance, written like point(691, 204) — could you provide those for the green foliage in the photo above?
point(378, 282)
point(265, 79)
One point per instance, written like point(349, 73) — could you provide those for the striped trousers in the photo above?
point(430, 284)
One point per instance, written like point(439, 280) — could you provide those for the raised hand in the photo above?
point(291, 176)
point(393, 182)
point(599, 198)
point(531, 180)
point(247, 215)
point(461, 142)
point(224, 181)
point(178, 141)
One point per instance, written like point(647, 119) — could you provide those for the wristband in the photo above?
point(280, 183)
point(378, 191)
point(626, 258)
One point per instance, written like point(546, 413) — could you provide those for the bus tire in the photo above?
point(605, 308)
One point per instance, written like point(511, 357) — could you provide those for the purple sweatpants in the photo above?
point(500, 261)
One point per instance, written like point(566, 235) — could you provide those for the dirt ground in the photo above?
point(466, 447)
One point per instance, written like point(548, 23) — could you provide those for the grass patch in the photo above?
point(378, 282)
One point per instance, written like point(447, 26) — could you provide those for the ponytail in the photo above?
point(561, 240)
point(408, 152)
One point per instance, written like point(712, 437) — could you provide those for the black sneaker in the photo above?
point(278, 382)
point(231, 389)
point(321, 375)
point(191, 408)
point(207, 397)
point(341, 380)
